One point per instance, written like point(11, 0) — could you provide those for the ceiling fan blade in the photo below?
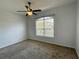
point(39, 10)
point(34, 13)
point(21, 11)
point(29, 3)
point(26, 7)
point(26, 15)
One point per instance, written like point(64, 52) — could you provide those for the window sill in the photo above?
point(44, 36)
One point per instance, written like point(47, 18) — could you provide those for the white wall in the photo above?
point(12, 24)
point(77, 41)
point(65, 26)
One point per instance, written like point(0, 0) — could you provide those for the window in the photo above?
point(45, 27)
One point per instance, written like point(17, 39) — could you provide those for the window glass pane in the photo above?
point(39, 27)
point(39, 32)
point(49, 27)
point(39, 24)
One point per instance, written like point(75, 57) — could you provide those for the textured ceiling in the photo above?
point(44, 4)
point(14, 5)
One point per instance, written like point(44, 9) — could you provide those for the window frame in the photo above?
point(44, 30)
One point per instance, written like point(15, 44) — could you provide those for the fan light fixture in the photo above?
point(29, 13)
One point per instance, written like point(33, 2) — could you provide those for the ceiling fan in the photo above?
point(29, 11)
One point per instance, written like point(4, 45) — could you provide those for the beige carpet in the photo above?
point(31, 49)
